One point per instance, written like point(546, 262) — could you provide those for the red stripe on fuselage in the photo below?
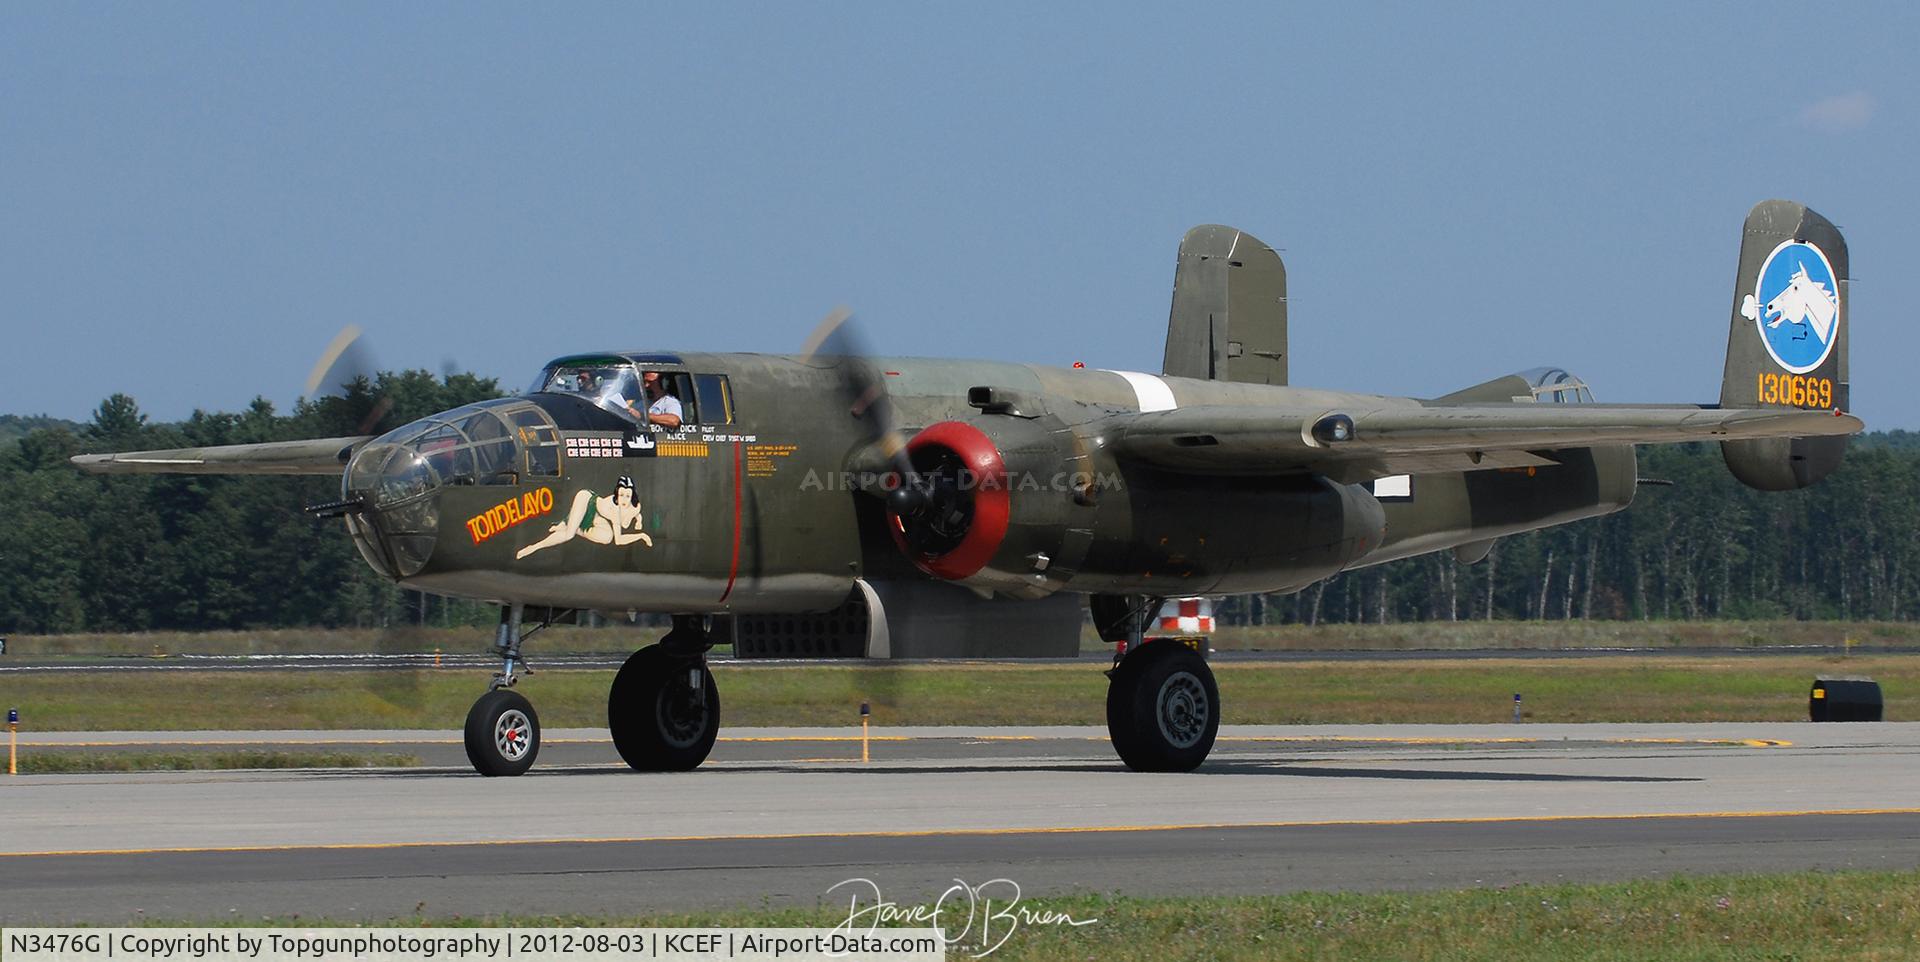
point(733, 568)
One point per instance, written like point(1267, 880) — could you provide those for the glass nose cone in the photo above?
point(399, 484)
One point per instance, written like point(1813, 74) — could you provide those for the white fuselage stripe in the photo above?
point(1152, 393)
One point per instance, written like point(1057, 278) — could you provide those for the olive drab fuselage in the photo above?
point(766, 498)
point(779, 487)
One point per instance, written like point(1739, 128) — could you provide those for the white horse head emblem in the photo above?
point(1804, 301)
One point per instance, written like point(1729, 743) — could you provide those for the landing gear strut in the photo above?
point(503, 730)
point(663, 709)
point(1163, 707)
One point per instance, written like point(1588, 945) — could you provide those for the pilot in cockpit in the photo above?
point(580, 382)
point(663, 409)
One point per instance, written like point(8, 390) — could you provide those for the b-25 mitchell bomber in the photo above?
point(787, 504)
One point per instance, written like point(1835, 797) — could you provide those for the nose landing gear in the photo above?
point(503, 730)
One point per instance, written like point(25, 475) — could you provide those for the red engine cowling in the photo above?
point(1024, 507)
point(967, 502)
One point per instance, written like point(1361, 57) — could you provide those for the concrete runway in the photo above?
point(781, 815)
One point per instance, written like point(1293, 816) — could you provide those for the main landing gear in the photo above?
point(662, 710)
point(1163, 707)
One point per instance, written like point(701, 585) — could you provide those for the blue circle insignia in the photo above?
point(1796, 306)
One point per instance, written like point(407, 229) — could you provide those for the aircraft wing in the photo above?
point(1414, 439)
point(322, 456)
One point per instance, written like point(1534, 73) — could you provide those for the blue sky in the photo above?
point(197, 197)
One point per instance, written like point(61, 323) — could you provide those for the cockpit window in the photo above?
point(1554, 385)
point(713, 399)
point(490, 442)
point(477, 444)
point(541, 440)
point(611, 384)
point(619, 386)
point(447, 453)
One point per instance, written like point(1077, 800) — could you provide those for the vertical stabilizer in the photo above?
point(1787, 341)
point(1229, 318)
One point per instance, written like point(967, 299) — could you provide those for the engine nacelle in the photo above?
point(1783, 464)
point(1174, 535)
point(1028, 506)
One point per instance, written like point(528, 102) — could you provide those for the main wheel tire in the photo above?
point(1163, 708)
point(503, 734)
point(657, 722)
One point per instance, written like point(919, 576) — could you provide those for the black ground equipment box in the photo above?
point(1844, 699)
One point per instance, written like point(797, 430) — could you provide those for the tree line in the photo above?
point(132, 553)
point(92, 553)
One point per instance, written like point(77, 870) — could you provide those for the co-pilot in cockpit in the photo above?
point(663, 409)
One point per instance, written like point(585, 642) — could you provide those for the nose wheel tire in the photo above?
point(1163, 708)
point(503, 734)
point(663, 711)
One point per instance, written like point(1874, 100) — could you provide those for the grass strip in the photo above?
point(1499, 635)
point(1622, 689)
point(1803, 915)
point(620, 639)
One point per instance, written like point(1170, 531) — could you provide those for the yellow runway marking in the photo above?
point(814, 738)
point(206, 743)
point(967, 832)
point(1443, 740)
